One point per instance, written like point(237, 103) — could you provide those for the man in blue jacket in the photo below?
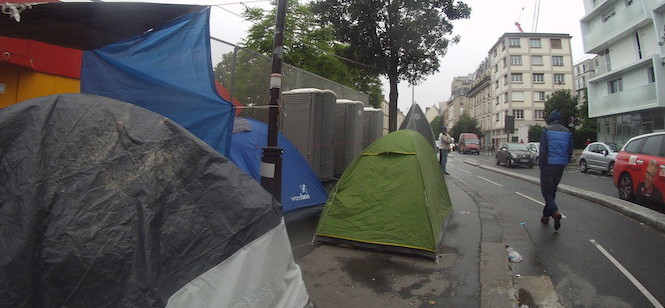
point(556, 150)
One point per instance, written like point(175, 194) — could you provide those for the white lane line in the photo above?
point(464, 171)
point(630, 277)
point(495, 183)
point(532, 199)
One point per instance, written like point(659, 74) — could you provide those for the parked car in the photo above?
point(599, 156)
point(639, 169)
point(468, 143)
point(534, 147)
point(513, 154)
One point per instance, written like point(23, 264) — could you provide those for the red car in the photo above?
point(639, 170)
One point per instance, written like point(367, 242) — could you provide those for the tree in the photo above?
point(400, 39)
point(465, 124)
point(311, 47)
point(534, 132)
point(566, 102)
point(436, 125)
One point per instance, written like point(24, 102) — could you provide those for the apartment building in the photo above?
point(627, 94)
point(458, 99)
point(524, 69)
point(584, 71)
point(431, 113)
point(480, 100)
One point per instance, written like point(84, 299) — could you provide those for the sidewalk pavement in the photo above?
point(471, 271)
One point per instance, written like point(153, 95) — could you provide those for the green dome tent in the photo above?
point(392, 196)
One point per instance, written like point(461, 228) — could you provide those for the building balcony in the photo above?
point(598, 37)
point(639, 98)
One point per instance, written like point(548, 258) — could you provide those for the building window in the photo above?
point(651, 76)
point(496, 117)
point(513, 42)
point(516, 77)
point(536, 60)
point(559, 78)
point(496, 84)
point(518, 113)
point(608, 63)
point(505, 96)
point(495, 52)
point(607, 16)
point(555, 43)
point(538, 78)
point(535, 43)
point(538, 114)
point(557, 60)
point(504, 61)
point(516, 60)
point(496, 68)
point(503, 46)
point(539, 96)
point(614, 86)
point(518, 96)
point(505, 79)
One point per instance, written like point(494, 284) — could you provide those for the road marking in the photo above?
point(532, 199)
point(630, 277)
point(495, 183)
point(464, 171)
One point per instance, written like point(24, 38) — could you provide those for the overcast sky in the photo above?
point(489, 20)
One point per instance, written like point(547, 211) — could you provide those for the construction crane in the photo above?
point(517, 23)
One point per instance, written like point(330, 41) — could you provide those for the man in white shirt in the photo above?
point(445, 141)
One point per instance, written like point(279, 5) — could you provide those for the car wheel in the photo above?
point(537, 160)
point(583, 166)
point(497, 160)
point(610, 170)
point(531, 166)
point(508, 162)
point(626, 187)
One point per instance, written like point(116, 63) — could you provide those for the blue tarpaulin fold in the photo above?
point(169, 71)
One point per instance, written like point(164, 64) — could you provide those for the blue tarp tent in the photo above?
point(169, 71)
point(300, 186)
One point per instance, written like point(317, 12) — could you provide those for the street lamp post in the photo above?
point(271, 162)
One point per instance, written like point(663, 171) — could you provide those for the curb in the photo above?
point(637, 212)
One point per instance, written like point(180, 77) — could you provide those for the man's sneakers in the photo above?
point(545, 220)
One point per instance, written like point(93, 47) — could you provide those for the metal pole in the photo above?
point(271, 162)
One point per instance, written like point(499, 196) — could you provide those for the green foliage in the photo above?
point(581, 135)
point(311, 47)
point(436, 125)
point(401, 39)
point(534, 132)
point(566, 102)
point(465, 124)
point(250, 75)
point(584, 114)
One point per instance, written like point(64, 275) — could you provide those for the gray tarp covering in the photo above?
point(106, 204)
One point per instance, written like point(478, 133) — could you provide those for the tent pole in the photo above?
point(271, 162)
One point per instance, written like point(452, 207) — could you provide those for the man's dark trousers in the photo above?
point(550, 176)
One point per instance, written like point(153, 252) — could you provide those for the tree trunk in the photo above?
point(392, 103)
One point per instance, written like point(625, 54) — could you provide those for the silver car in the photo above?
point(599, 156)
point(535, 148)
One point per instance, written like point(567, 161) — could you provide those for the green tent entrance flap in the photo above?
point(392, 196)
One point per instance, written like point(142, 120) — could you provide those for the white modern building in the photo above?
point(627, 94)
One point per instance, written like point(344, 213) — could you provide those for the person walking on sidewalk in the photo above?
point(556, 151)
point(445, 141)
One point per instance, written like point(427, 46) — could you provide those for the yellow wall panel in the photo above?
point(33, 84)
